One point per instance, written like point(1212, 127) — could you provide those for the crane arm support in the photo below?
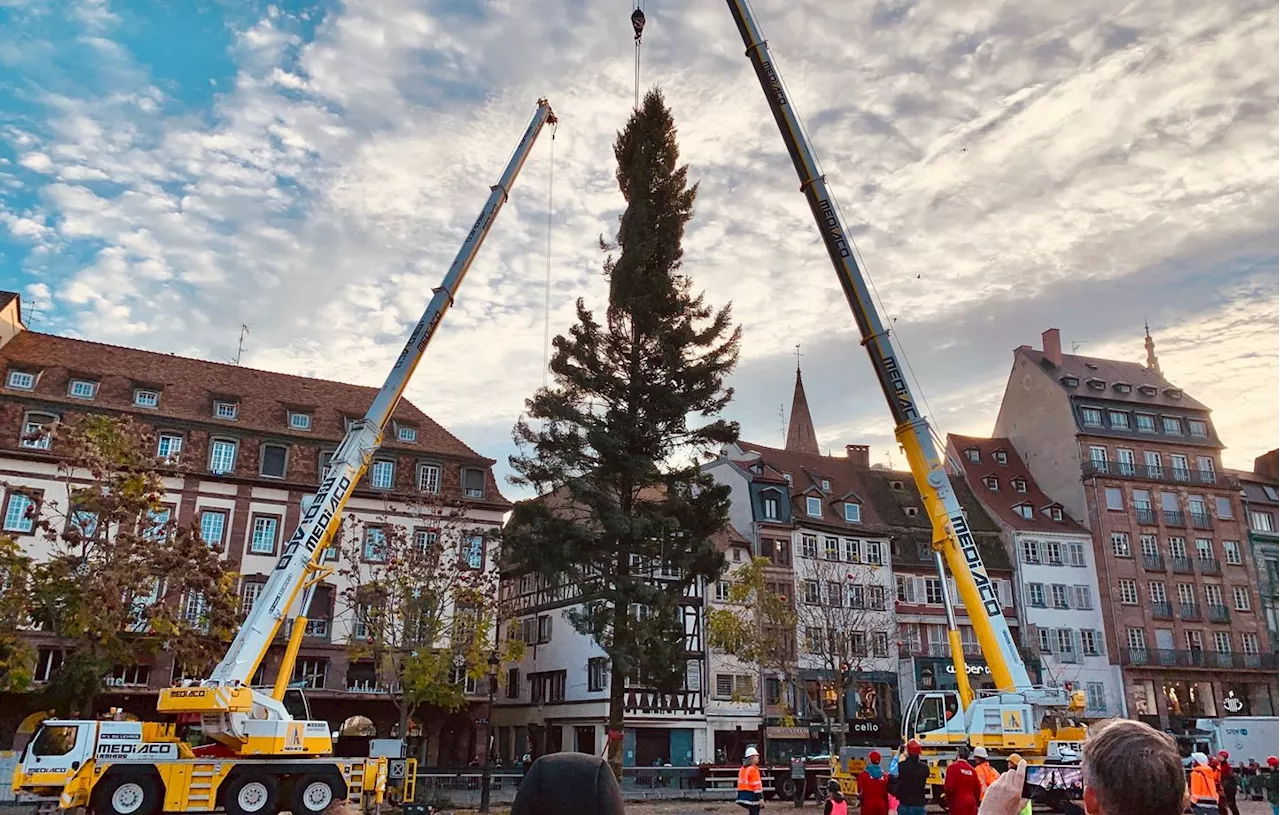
point(951, 530)
point(324, 515)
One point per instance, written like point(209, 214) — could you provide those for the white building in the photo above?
point(247, 447)
point(1055, 572)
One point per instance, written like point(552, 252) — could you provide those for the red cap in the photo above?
point(1273, 761)
point(874, 757)
point(1223, 754)
point(913, 748)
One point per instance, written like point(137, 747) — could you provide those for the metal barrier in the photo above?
point(8, 763)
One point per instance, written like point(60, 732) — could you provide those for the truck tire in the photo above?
point(313, 794)
point(128, 793)
point(251, 793)
point(787, 788)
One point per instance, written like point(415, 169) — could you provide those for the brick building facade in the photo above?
point(1137, 461)
point(246, 449)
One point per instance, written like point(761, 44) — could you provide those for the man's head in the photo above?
point(979, 754)
point(913, 747)
point(874, 757)
point(1130, 768)
point(963, 751)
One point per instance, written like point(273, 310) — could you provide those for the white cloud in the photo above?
point(984, 153)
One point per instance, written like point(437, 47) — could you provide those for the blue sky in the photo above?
point(171, 171)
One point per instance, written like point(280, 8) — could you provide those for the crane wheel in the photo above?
point(251, 793)
point(313, 794)
point(128, 793)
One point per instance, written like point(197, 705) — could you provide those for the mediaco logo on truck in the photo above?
point(125, 751)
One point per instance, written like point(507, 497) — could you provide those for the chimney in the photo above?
point(859, 454)
point(1267, 465)
point(1051, 340)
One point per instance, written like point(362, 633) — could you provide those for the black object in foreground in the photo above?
point(569, 783)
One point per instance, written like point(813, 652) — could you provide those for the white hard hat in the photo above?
point(751, 751)
point(979, 752)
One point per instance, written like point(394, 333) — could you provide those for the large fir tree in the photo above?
point(612, 445)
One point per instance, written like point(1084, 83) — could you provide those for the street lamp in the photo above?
point(486, 772)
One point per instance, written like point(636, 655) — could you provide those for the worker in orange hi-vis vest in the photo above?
point(982, 767)
point(750, 787)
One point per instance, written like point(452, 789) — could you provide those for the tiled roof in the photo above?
point(1111, 371)
point(189, 387)
point(807, 472)
point(1001, 502)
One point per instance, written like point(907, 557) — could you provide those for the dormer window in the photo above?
point(787, 477)
point(1173, 393)
point(910, 512)
point(1020, 485)
point(1024, 510)
point(1091, 366)
point(1172, 425)
point(1001, 457)
point(1119, 419)
point(1147, 390)
point(226, 410)
point(1198, 428)
point(813, 506)
point(1122, 387)
point(21, 380)
point(1091, 417)
point(769, 505)
point(82, 389)
point(826, 485)
point(852, 513)
point(299, 420)
point(895, 485)
point(1055, 513)
point(146, 398)
point(973, 455)
point(992, 483)
point(1070, 381)
point(1097, 384)
point(408, 435)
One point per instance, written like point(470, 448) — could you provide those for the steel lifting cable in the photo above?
point(637, 25)
point(546, 306)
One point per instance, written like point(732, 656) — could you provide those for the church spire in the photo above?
point(1153, 363)
point(800, 435)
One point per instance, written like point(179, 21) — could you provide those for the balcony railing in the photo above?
point(1200, 520)
point(1188, 611)
point(1153, 563)
point(1144, 472)
point(1161, 610)
point(1146, 517)
point(1182, 565)
point(1197, 659)
point(1209, 565)
point(1174, 517)
point(1219, 614)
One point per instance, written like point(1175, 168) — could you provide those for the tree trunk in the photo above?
point(617, 698)
point(842, 714)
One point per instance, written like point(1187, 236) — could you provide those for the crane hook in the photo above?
point(637, 22)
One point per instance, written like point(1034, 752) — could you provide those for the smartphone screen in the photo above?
point(1051, 780)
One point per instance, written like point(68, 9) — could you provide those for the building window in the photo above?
point(1119, 419)
point(1223, 505)
point(826, 485)
point(1136, 638)
point(222, 456)
point(473, 551)
point(274, 457)
point(429, 478)
point(20, 512)
point(598, 674)
point(1059, 594)
point(472, 482)
point(35, 431)
point(513, 683)
point(1095, 695)
point(1250, 642)
point(544, 629)
point(1120, 544)
point(1262, 521)
point(770, 509)
point(1024, 510)
point(1240, 594)
point(213, 522)
point(1128, 591)
point(933, 591)
point(425, 540)
point(1001, 457)
point(992, 483)
point(1222, 642)
point(226, 410)
point(1044, 638)
point(1035, 594)
point(1198, 428)
point(1172, 425)
point(874, 555)
point(22, 380)
point(82, 389)
point(1158, 592)
point(1020, 485)
point(169, 447)
point(375, 544)
point(1145, 422)
point(722, 591)
point(1055, 513)
point(409, 435)
point(249, 594)
point(1092, 417)
point(1089, 642)
point(1126, 461)
point(1075, 554)
point(299, 421)
point(1053, 553)
point(1081, 598)
point(812, 593)
point(831, 548)
point(263, 541)
point(382, 474)
point(809, 546)
point(813, 506)
point(1212, 594)
point(1115, 498)
point(1231, 552)
point(311, 671)
point(973, 454)
point(1070, 381)
point(1098, 458)
point(146, 398)
point(853, 513)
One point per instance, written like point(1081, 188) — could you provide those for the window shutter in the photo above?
point(1005, 590)
point(921, 594)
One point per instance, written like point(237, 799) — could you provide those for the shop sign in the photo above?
point(787, 732)
point(970, 668)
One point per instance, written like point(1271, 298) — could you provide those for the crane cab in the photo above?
point(936, 718)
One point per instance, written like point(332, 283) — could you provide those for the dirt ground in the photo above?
point(728, 808)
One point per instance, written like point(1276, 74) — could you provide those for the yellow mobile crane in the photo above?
point(270, 761)
point(1018, 716)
